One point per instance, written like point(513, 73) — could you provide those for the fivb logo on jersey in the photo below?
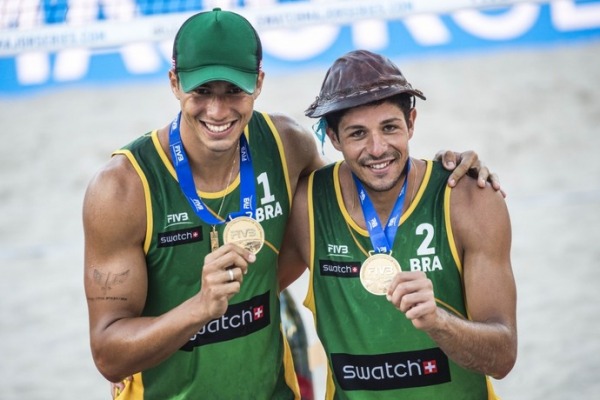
point(340, 269)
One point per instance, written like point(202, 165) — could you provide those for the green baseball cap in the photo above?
point(217, 45)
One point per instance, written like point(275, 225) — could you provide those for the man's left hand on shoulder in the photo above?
point(468, 163)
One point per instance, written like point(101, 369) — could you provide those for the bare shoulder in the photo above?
point(115, 199)
point(293, 134)
point(478, 213)
point(288, 126)
point(116, 180)
point(468, 194)
point(300, 146)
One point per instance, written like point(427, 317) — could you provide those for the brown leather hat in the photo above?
point(358, 78)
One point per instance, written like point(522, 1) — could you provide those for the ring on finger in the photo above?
point(231, 276)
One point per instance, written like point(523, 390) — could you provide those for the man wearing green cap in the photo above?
point(183, 227)
point(411, 284)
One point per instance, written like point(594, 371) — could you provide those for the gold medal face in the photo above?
point(377, 272)
point(245, 232)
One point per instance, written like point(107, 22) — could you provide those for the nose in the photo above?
point(377, 145)
point(216, 107)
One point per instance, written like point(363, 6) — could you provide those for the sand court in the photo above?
point(532, 115)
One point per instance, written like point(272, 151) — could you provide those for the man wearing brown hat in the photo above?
point(182, 231)
point(411, 284)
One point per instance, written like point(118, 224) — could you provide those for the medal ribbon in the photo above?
point(382, 239)
point(186, 180)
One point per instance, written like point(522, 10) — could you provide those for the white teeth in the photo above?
point(380, 166)
point(218, 128)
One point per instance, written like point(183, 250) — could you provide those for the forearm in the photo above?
point(131, 345)
point(489, 348)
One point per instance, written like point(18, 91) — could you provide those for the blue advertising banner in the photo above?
point(61, 47)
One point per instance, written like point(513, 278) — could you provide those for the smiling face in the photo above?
point(374, 142)
point(216, 112)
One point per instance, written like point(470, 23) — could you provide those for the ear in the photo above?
point(412, 117)
point(335, 141)
point(259, 84)
point(174, 81)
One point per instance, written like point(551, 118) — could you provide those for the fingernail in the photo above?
point(451, 164)
point(451, 182)
point(252, 257)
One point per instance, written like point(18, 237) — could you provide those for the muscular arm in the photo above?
point(302, 158)
point(488, 342)
point(293, 256)
point(122, 341)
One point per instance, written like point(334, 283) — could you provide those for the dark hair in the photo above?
point(404, 101)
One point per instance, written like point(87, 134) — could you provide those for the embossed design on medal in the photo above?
point(377, 272)
point(245, 232)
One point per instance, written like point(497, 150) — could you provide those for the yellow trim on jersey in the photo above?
point(214, 195)
point(284, 163)
point(163, 156)
point(350, 222)
point(340, 200)
point(419, 195)
point(207, 195)
point(330, 385)
point(405, 215)
point(288, 366)
point(309, 300)
point(134, 389)
point(451, 241)
point(449, 307)
point(452, 244)
point(490, 387)
point(149, 220)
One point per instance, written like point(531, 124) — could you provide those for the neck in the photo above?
point(383, 201)
point(213, 171)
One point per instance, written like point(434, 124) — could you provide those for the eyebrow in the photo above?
point(390, 120)
point(384, 122)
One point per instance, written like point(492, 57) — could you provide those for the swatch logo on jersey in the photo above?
point(338, 269)
point(182, 236)
point(240, 320)
point(391, 371)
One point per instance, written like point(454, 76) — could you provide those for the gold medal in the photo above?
point(377, 272)
point(246, 232)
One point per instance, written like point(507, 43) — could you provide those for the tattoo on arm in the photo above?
point(107, 281)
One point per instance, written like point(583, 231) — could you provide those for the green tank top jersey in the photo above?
point(373, 351)
point(243, 354)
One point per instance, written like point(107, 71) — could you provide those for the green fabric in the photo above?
point(364, 336)
point(242, 355)
point(217, 46)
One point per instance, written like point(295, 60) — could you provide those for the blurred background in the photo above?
point(517, 81)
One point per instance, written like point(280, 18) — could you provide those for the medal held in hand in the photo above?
point(245, 232)
point(377, 272)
